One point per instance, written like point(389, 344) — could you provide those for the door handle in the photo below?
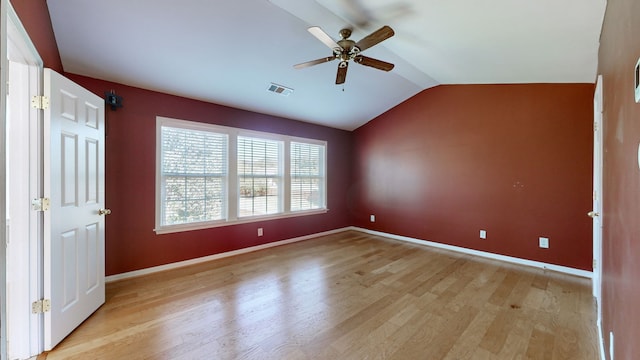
point(593, 214)
point(104, 211)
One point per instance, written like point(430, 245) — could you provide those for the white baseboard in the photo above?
point(179, 264)
point(510, 259)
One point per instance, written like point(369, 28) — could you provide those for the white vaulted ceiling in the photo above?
point(228, 52)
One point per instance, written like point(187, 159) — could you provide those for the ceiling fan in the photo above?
point(346, 50)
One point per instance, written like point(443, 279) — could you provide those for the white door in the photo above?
point(74, 225)
point(596, 213)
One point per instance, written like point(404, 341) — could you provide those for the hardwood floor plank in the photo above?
point(540, 345)
point(343, 296)
point(452, 327)
point(467, 344)
point(505, 288)
point(496, 335)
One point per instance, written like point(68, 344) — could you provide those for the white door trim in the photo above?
point(24, 329)
point(598, 169)
point(597, 190)
point(3, 173)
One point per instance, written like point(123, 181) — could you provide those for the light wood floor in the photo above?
point(344, 296)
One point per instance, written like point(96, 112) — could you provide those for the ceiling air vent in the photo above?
point(279, 89)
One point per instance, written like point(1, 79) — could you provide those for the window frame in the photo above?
point(322, 174)
point(232, 189)
point(280, 176)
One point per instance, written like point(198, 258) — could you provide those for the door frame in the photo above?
point(14, 344)
point(4, 77)
point(598, 153)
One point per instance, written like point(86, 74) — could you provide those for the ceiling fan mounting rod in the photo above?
point(345, 33)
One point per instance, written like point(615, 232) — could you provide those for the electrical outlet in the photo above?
point(260, 232)
point(483, 234)
point(543, 242)
point(372, 218)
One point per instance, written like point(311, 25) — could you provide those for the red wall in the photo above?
point(514, 160)
point(34, 15)
point(619, 52)
point(130, 181)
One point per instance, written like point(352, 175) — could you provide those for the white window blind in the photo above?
point(307, 176)
point(209, 175)
point(259, 176)
point(193, 176)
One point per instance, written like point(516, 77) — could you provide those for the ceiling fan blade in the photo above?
point(362, 16)
point(323, 37)
point(342, 72)
point(357, 12)
point(314, 62)
point(374, 63)
point(375, 37)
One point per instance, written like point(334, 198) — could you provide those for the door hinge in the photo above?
point(594, 264)
point(41, 306)
point(40, 102)
point(41, 204)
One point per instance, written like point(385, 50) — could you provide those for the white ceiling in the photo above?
point(228, 52)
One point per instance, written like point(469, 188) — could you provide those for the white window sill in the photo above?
point(213, 224)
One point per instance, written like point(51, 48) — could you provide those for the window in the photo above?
point(259, 176)
point(307, 176)
point(193, 170)
point(210, 175)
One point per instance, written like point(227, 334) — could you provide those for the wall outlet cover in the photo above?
point(483, 234)
point(543, 242)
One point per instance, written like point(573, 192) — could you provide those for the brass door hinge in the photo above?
point(40, 102)
point(41, 204)
point(41, 306)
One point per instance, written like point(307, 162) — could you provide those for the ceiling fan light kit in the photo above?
point(347, 50)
